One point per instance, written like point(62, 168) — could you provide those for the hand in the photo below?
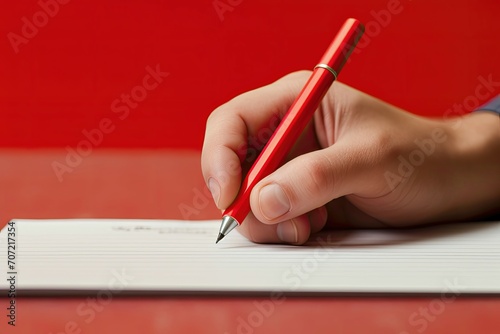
point(359, 163)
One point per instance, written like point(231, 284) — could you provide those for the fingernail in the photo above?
point(287, 232)
point(273, 201)
point(214, 187)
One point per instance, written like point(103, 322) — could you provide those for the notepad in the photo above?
point(166, 256)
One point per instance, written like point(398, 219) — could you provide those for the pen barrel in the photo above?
point(298, 116)
point(282, 140)
point(343, 44)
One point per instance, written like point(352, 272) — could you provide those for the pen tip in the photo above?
point(219, 238)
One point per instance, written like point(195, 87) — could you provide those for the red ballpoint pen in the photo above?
point(294, 121)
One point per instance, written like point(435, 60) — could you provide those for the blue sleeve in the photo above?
point(492, 105)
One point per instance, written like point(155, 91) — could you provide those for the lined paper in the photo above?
point(181, 256)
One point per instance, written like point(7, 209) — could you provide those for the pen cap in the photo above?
point(343, 44)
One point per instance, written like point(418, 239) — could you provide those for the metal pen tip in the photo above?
point(219, 238)
point(228, 224)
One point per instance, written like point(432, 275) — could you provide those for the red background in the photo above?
point(427, 58)
point(64, 80)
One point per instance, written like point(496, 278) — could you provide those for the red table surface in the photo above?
point(157, 184)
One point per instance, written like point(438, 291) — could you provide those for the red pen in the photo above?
point(294, 121)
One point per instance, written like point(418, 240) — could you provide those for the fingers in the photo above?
point(312, 180)
point(237, 129)
point(295, 231)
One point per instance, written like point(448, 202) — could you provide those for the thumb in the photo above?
point(310, 181)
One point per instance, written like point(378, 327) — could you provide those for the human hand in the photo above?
point(359, 163)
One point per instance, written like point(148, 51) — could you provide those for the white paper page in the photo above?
point(180, 256)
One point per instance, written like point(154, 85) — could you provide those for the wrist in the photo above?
point(475, 165)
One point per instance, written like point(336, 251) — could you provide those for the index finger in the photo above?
point(239, 128)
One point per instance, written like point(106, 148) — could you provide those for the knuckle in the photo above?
point(297, 75)
point(296, 80)
point(385, 148)
point(320, 173)
point(214, 115)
